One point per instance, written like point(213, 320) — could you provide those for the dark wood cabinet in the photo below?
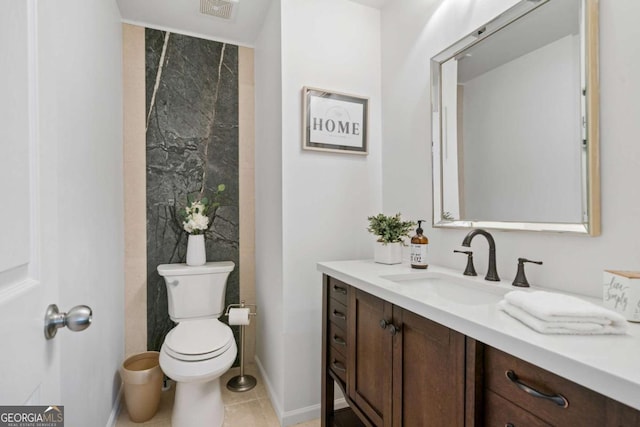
point(336, 348)
point(428, 373)
point(370, 363)
point(513, 392)
point(397, 369)
point(401, 370)
point(566, 402)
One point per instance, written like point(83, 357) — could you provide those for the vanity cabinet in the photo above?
point(401, 369)
point(396, 368)
point(508, 391)
point(428, 373)
point(370, 357)
point(335, 348)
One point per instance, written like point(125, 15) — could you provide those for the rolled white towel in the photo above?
point(554, 307)
point(561, 327)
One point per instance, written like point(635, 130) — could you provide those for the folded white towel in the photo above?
point(555, 307)
point(563, 327)
point(550, 312)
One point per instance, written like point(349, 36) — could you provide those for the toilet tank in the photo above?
point(196, 292)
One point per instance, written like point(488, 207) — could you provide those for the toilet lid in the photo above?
point(198, 339)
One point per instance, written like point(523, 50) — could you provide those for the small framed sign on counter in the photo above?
point(333, 121)
point(621, 292)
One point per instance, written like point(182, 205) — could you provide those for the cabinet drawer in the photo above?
point(338, 338)
point(338, 290)
point(338, 364)
point(584, 406)
point(500, 412)
point(337, 314)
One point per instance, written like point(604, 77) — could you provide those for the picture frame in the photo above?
point(334, 121)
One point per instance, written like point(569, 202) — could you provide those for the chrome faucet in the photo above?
point(492, 272)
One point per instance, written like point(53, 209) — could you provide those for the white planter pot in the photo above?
point(391, 253)
point(196, 254)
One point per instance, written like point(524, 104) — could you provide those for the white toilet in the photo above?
point(200, 348)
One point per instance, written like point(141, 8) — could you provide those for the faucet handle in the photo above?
point(463, 252)
point(521, 279)
point(522, 260)
point(469, 270)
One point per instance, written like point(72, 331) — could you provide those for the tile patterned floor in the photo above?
point(249, 409)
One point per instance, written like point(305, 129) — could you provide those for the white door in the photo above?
point(30, 367)
point(25, 362)
point(61, 204)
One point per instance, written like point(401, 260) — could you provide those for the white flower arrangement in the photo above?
point(196, 214)
point(196, 220)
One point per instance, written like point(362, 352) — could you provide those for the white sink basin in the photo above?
point(459, 290)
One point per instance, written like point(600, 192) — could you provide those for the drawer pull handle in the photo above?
point(558, 399)
point(339, 315)
point(339, 340)
point(509, 425)
point(338, 366)
point(339, 289)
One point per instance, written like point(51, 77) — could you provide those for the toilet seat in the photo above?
point(197, 340)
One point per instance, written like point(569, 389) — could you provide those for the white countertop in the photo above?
point(608, 364)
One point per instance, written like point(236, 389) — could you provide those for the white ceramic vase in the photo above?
point(391, 253)
point(196, 254)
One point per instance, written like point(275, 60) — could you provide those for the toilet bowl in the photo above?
point(200, 348)
point(196, 369)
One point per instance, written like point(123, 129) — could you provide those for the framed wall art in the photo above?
point(333, 121)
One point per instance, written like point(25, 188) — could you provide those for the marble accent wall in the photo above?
point(191, 146)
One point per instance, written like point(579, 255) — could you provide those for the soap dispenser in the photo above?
point(419, 248)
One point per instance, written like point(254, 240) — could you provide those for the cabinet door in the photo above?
point(369, 357)
point(428, 373)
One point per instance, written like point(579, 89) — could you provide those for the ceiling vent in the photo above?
point(224, 9)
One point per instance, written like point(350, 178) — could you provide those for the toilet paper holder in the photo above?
point(242, 382)
point(242, 305)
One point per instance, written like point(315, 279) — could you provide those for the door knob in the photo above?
point(77, 319)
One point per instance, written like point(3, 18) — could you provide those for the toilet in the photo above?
point(200, 348)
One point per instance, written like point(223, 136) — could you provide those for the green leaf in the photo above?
point(221, 188)
point(390, 229)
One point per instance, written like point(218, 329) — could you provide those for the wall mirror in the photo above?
point(514, 114)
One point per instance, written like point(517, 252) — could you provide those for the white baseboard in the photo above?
point(270, 392)
point(340, 403)
point(115, 410)
point(309, 413)
point(296, 416)
point(301, 415)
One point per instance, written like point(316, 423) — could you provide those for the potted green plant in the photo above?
point(391, 230)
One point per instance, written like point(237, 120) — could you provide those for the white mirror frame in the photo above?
point(592, 99)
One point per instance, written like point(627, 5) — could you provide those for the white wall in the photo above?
point(324, 198)
point(502, 137)
point(334, 45)
point(571, 263)
point(268, 204)
point(80, 114)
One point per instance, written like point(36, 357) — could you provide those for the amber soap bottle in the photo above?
point(419, 244)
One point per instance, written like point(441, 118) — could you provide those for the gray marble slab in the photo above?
point(192, 140)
